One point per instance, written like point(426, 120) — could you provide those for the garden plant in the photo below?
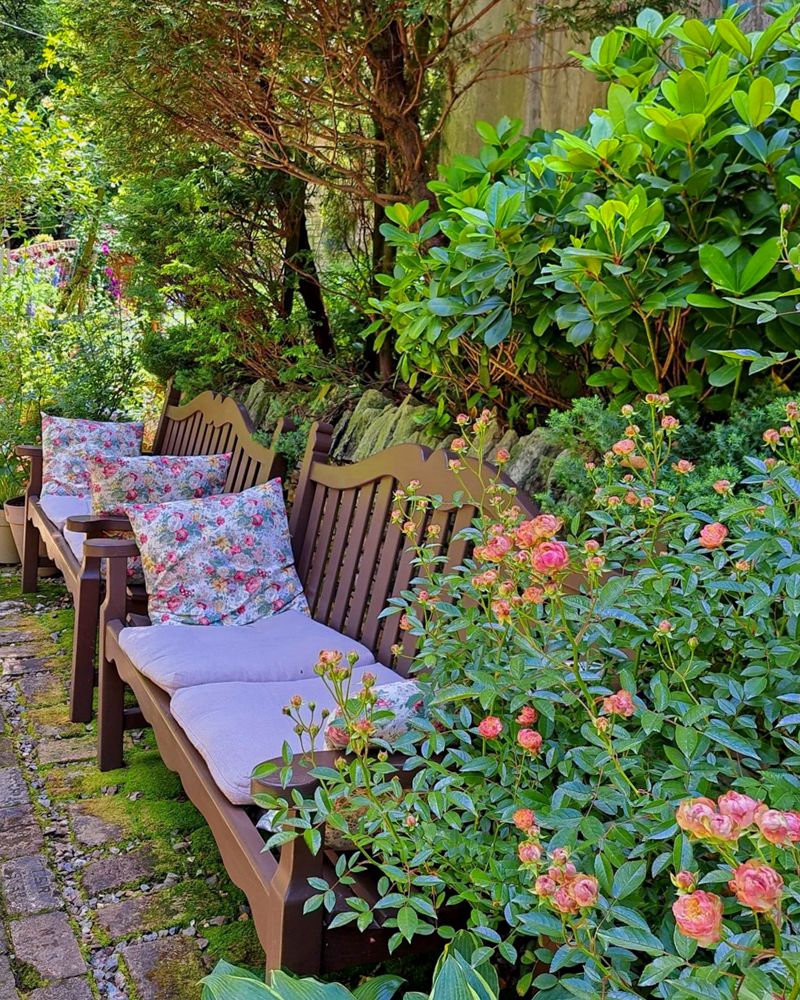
point(623, 256)
point(603, 772)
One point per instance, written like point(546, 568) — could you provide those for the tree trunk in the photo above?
point(309, 288)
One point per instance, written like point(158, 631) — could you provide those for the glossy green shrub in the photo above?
point(624, 256)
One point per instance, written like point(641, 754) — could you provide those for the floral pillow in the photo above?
point(221, 560)
point(403, 700)
point(69, 445)
point(120, 481)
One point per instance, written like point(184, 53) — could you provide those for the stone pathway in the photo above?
point(111, 885)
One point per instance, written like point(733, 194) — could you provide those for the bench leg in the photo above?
point(296, 941)
point(111, 720)
point(84, 647)
point(30, 557)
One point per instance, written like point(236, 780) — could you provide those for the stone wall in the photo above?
point(376, 422)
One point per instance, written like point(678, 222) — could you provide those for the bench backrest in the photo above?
point(350, 557)
point(212, 424)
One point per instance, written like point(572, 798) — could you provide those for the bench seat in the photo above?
point(282, 647)
point(236, 726)
point(59, 509)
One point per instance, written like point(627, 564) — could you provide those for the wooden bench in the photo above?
point(209, 424)
point(351, 558)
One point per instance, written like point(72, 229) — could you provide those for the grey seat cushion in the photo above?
point(59, 508)
point(282, 647)
point(236, 726)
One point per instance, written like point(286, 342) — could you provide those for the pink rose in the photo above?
point(252, 585)
point(501, 610)
point(529, 853)
point(257, 520)
point(771, 436)
point(524, 819)
point(623, 447)
point(550, 557)
point(773, 825)
point(792, 826)
point(181, 535)
point(490, 727)
point(529, 739)
point(496, 549)
point(713, 535)
point(741, 808)
point(758, 886)
point(620, 703)
point(686, 881)
point(693, 814)
point(699, 916)
point(527, 715)
point(584, 890)
point(220, 521)
point(545, 886)
point(564, 903)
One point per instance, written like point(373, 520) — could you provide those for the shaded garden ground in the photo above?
point(111, 883)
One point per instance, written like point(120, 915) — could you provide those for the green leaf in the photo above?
point(726, 737)
point(379, 988)
point(628, 878)
point(715, 264)
point(659, 969)
point(407, 921)
point(634, 938)
point(760, 264)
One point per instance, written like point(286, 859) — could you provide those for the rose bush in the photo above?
point(578, 690)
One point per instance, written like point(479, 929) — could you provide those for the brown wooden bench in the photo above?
point(209, 424)
point(351, 559)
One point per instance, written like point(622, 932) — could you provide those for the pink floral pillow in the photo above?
point(221, 560)
point(117, 482)
point(68, 445)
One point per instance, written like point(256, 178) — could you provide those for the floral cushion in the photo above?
point(220, 560)
point(403, 700)
point(120, 481)
point(68, 445)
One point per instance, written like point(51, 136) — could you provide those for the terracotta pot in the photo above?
point(9, 555)
point(14, 515)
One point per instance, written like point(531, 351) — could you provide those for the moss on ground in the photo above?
point(49, 719)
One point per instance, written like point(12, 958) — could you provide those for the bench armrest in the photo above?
point(94, 524)
point(110, 548)
point(33, 453)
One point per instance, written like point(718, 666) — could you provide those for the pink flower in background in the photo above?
point(686, 881)
point(773, 825)
point(564, 902)
point(699, 916)
point(524, 819)
point(527, 715)
point(693, 815)
point(713, 535)
point(620, 703)
point(529, 739)
point(623, 447)
point(584, 890)
point(529, 853)
point(545, 886)
point(490, 727)
point(740, 808)
point(758, 886)
point(550, 557)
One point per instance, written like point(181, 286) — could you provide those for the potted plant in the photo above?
point(10, 545)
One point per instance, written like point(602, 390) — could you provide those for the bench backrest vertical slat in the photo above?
point(351, 556)
point(172, 397)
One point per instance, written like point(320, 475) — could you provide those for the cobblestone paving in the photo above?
point(111, 885)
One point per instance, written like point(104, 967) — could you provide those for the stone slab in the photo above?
point(68, 989)
point(47, 942)
point(13, 790)
point(126, 918)
point(20, 834)
point(41, 687)
point(156, 966)
point(12, 637)
point(8, 756)
point(31, 665)
point(114, 872)
point(29, 886)
point(65, 751)
point(19, 651)
point(90, 830)
point(8, 988)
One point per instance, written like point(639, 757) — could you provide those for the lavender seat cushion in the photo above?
point(282, 647)
point(58, 508)
point(236, 726)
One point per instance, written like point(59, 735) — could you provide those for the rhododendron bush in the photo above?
point(604, 774)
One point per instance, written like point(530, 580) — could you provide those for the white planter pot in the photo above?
point(13, 515)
